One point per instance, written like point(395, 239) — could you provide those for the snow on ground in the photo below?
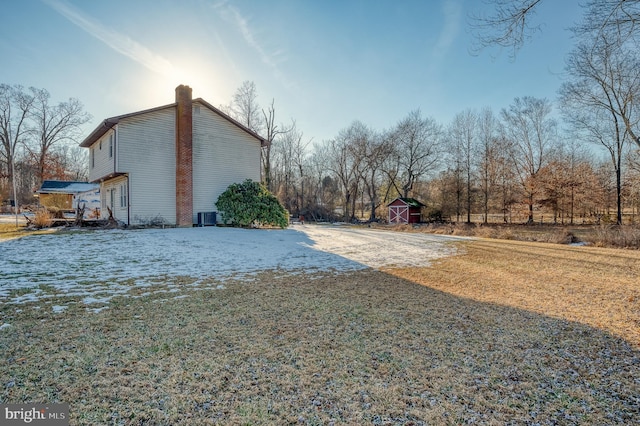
point(99, 265)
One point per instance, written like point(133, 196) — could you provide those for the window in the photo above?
point(123, 195)
point(111, 137)
point(93, 158)
point(112, 200)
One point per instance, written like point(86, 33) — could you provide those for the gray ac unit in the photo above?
point(206, 218)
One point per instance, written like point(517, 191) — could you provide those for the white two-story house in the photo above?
point(167, 164)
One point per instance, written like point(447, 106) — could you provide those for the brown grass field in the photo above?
point(9, 231)
point(506, 332)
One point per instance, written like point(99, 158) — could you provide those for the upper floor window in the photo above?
point(93, 157)
point(111, 137)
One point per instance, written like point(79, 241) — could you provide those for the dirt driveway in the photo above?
point(380, 249)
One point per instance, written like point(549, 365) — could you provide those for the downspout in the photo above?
point(115, 157)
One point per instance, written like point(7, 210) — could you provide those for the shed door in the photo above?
point(398, 214)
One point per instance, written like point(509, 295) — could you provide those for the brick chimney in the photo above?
point(184, 164)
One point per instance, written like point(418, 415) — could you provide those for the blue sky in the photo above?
point(324, 62)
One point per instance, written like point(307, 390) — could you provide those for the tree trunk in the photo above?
point(619, 192)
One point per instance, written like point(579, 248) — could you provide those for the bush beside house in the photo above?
point(251, 204)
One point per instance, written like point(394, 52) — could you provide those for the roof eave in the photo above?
point(97, 133)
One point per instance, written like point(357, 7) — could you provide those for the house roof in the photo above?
point(107, 124)
point(411, 202)
point(66, 187)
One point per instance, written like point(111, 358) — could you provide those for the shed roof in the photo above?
point(411, 202)
point(66, 187)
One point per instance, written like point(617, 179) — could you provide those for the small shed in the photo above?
point(68, 195)
point(405, 210)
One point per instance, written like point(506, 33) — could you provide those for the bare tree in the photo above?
point(510, 25)
point(74, 161)
point(600, 129)
point(578, 173)
point(290, 158)
point(52, 125)
point(346, 166)
point(632, 180)
point(454, 175)
point(15, 107)
point(616, 20)
point(487, 154)
point(379, 150)
point(417, 141)
point(532, 134)
point(462, 135)
point(371, 150)
point(272, 132)
point(245, 108)
point(602, 98)
point(606, 76)
point(512, 22)
point(322, 187)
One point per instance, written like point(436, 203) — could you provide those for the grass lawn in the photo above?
point(9, 231)
point(504, 333)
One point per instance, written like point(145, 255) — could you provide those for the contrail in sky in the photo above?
point(115, 40)
point(233, 15)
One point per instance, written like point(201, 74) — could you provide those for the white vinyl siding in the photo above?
point(102, 157)
point(222, 154)
point(146, 151)
point(111, 197)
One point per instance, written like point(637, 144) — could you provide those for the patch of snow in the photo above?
point(579, 244)
point(92, 300)
point(101, 264)
point(59, 308)
point(5, 325)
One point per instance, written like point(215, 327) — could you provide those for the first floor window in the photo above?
point(123, 195)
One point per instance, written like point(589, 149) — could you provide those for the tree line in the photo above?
point(515, 165)
point(38, 141)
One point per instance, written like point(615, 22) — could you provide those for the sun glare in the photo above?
point(196, 76)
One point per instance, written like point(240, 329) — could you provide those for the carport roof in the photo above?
point(66, 187)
